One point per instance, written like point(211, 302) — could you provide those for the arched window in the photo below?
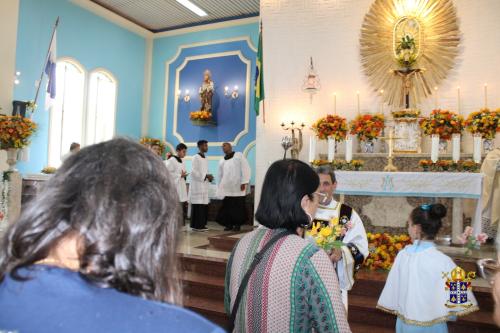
point(66, 115)
point(101, 107)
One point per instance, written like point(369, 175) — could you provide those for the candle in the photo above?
point(458, 100)
point(434, 147)
point(477, 147)
point(391, 142)
point(381, 101)
point(455, 139)
point(334, 103)
point(485, 95)
point(331, 149)
point(348, 148)
point(359, 108)
point(312, 148)
point(436, 99)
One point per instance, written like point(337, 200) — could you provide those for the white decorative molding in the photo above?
point(248, 63)
point(174, 58)
point(248, 148)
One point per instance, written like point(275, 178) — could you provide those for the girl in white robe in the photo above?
point(415, 289)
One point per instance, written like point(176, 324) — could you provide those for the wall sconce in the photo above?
point(16, 78)
point(234, 94)
point(296, 142)
point(186, 97)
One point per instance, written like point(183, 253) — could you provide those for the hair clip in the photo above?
point(425, 207)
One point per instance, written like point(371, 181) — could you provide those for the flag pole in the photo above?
point(46, 59)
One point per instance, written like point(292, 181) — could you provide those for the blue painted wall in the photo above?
point(205, 42)
point(94, 42)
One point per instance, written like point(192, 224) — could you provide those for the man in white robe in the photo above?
point(177, 171)
point(233, 176)
point(198, 189)
point(349, 258)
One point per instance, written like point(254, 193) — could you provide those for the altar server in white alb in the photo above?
point(177, 170)
point(234, 176)
point(198, 189)
point(425, 288)
point(349, 258)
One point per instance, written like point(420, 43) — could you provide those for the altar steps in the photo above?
point(203, 282)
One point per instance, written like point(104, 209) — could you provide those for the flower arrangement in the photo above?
point(449, 165)
point(443, 123)
point(368, 127)
point(318, 163)
point(201, 116)
point(15, 131)
point(383, 249)
point(470, 241)
point(484, 122)
point(146, 141)
point(331, 126)
point(48, 170)
point(354, 165)
point(408, 113)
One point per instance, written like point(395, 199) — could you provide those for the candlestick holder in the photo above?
point(296, 138)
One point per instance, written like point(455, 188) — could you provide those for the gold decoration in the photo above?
point(408, 47)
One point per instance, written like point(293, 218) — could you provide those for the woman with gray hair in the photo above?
point(95, 250)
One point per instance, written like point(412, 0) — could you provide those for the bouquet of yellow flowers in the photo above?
point(368, 127)
point(443, 123)
point(201, 115)
point(384, 249)
point(328, 237)
point(331, 126)
point(15, 131)
point(484, 122)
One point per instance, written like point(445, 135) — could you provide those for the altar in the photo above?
point(456, 186)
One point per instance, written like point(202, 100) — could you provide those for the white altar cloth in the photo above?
point(418, 184)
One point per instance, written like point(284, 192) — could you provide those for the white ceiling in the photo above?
point(162, 15)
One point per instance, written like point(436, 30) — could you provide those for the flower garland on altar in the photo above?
point(484, 122)
point(15, 131)
point(450, 166)
point(383, 249)
point(353, 165)
point(4, 199)
point(331, 126)
point(443, 123)
point(368, 126)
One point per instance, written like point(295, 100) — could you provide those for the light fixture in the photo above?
point(187, 96)
point(192, 7)
point(234, 94)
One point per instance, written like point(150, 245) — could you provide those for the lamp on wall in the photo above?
point(16, 78)
point(234, 94)
point(186, 97)
point(296, 142)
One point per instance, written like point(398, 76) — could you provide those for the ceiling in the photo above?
point(164, 15)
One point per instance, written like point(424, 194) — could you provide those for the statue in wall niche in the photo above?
point(207, 92)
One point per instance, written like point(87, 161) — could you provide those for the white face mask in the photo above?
point(311, 219)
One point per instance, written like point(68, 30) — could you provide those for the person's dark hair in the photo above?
point(201, 143)
point(429, 218)
point(73, 146)
point(118, 200)
point(180, 147)
point(324, 170)
point(285, 184)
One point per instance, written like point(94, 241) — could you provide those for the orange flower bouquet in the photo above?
point(331, 126)
point(484, 122)
point(15, 131)
point(384, 249)
point(368, 127)
point(443, 123)
point(201, 115)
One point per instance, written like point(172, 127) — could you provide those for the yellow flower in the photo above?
point(325, 232)
point(334, 221)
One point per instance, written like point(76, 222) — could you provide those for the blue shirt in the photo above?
point(59, 300)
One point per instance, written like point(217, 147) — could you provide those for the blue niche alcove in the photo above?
point(228, 69)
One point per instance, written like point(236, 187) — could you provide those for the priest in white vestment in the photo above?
point(234, 177)
point(198, 189)
point(349, 258)
point(177, 170)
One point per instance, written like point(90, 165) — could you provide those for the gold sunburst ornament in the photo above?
point(408, 47)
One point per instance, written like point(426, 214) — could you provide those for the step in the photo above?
point(365, 328)
point(223, 242)
point(208, 308)
point(198, 284)
point(207, 266)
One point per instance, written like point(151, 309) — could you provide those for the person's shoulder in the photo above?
point(238, 155)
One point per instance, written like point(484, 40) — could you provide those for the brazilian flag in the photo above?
point(259, 76)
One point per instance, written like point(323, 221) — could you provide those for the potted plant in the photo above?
point(15, 134)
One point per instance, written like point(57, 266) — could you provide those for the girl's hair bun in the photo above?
point(437, 211)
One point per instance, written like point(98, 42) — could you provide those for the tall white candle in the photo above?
point(391, 142)
point(485, 95)
point(434, 147)
point(359, 105)
point(478, 140)
point(455, 140)
point(312, 148)
point(436, 98)
point(348, 148)
point(334, 103)
point(382, 101)
point(459, 106)
point(331, 149)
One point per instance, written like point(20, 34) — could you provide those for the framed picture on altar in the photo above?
point(409, 131)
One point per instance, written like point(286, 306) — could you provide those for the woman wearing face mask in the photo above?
point(275, 280)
